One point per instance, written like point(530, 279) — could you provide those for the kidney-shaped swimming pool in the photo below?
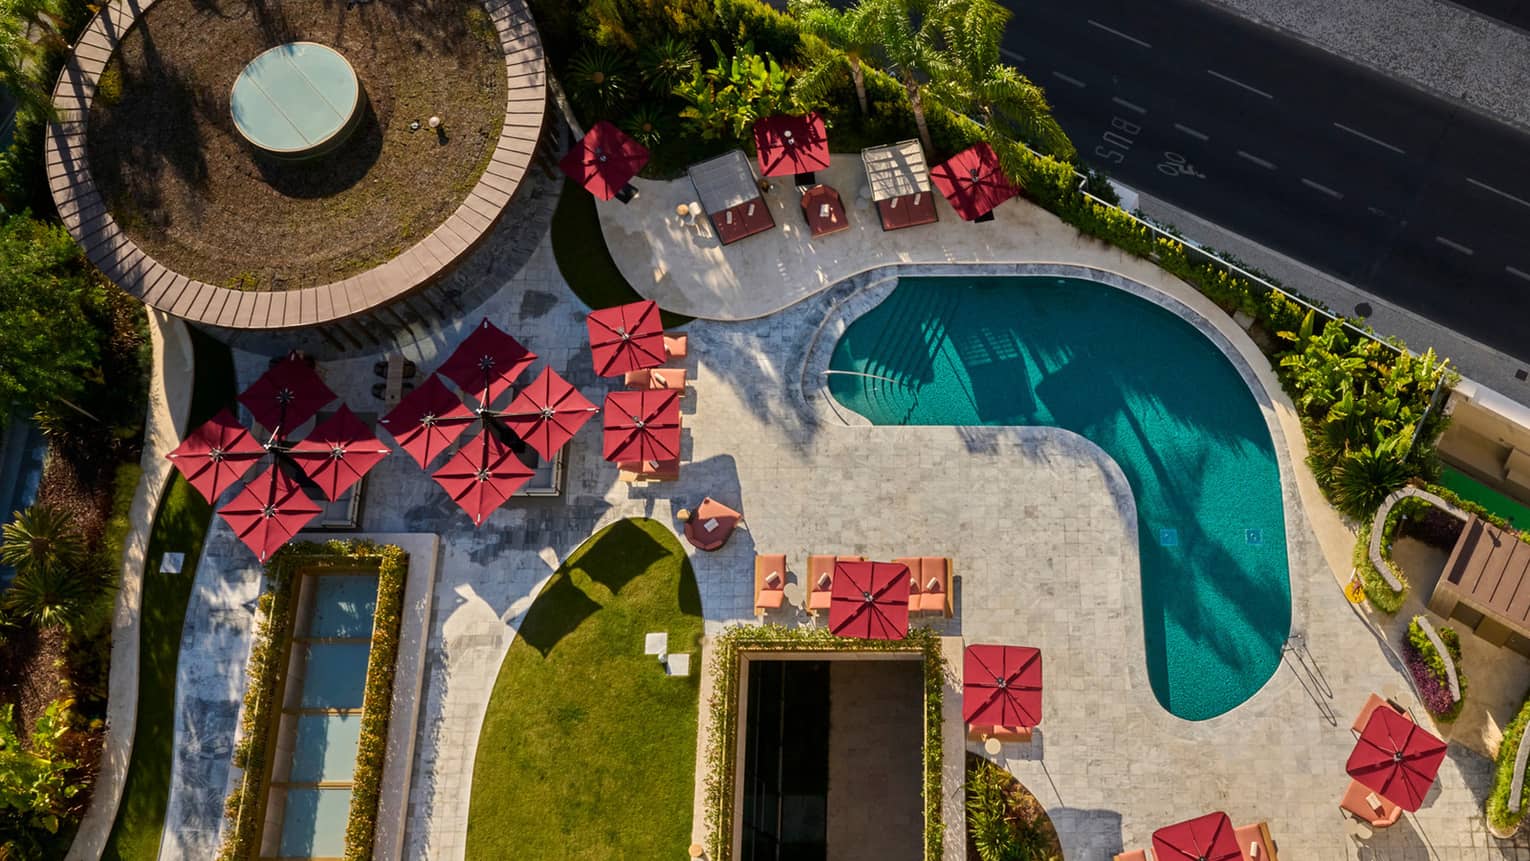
point(1159, 398)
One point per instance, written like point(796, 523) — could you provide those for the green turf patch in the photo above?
point(588, 750)
point(583, 258)
point(179, 526)
point(1468, 488)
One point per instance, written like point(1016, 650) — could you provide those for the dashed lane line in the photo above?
point(1128, 105)
point(1365, 137)
point(1114, 32)
point(1200, 136)
point(1069, 79)
point(1317, 186)
point(1498, 191)
point(1013, 55)
point(1454, 246)
point(1517, 273)
point(1235, 82)
point(1267, 165)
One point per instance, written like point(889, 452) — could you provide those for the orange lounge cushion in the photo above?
point(820, 600)
point(1134, 855)
point(1356, 800)
point(1251, 835)
point(932, 602)
point(676, 346)
point(770, 598)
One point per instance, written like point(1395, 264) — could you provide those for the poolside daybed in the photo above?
point(769, 582)
point(730, 194)
point(929, 584)
point(900, 184)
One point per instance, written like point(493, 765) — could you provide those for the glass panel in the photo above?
point(313, 823)
point(343, 605)
point(335, 675)
point(325, 748)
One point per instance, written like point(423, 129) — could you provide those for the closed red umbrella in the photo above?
point(338, 453)
point(604, 160)
point(642, 425)
point(486, 363)
point(1204, 838)
point(869, 600)
point(287, 395)
point(1397, 758)
point(626, 338)
point(482, 475)
point(269, 512)
point(547, 413)
point(427, 420)
point(1001, 686)
point(791, 145)
point(973, 181)
point(216, 455)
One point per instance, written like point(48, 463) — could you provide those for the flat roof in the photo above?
point(725, 181)
point(1490, 567)
point(896, 170)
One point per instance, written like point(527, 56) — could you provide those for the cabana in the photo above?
point(900, 184)
point(731, 196)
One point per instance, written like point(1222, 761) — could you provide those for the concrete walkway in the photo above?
point(170, 384)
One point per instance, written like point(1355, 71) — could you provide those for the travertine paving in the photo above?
point(1039, 522)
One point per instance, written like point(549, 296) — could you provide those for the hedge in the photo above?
point(1377, 591)
point(244, 809)
point(723, 708)
point(1428, 668)
point(1500, 818)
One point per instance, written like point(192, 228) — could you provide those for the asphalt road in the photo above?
point(1416, 200)
point(1515, 13)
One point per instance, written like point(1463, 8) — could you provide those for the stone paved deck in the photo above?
point(1110, 763)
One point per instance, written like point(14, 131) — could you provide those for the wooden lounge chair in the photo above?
point(1372, 703)
point(1368, 807)
point(1256, 842)
point(819, 593)
point(656, 378)
point(676, 346)
point(768, 596)
point(929, 588)
point(643, 471)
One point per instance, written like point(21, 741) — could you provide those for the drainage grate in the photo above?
point(1168, 537)
point(1253, 536)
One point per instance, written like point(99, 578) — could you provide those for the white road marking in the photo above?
point(1128, 105)
point(1317, 186)
point(1455, 246)
point(1114, 32)
point(1365, 137)
point(1234, 81)
point(1193, 133)
point(1517, 273)
point(1256, 160)
point(1498, 191)
point(1019, 58)
point(1069, 79)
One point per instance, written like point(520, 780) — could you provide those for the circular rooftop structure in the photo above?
point(296, 100)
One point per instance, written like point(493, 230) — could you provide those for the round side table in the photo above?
point(993, 747)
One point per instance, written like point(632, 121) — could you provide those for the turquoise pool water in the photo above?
point(1155, 395)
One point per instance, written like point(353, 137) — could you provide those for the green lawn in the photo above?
point(1472, 490)
point(179, 526)
point(588, 750)
point(583, 258)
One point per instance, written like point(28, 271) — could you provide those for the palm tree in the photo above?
point(54, 597)
point(912, 41)
point(846, 31)
point(29, 30)
point(41, 538)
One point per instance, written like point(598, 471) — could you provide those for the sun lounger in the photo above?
point(983, 732)
point(819, 590)
point(640, 471)
point(1372, 703)
point(1256, 842)
point(1368, 807)
point(676, 346)
point(769, 582)
point(935, 585)
point(915, 584)
point(1134, 855)
point(656, 378)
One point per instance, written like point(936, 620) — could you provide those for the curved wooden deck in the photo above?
point(84, 212)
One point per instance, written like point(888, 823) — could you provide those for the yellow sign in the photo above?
point(1354, 590)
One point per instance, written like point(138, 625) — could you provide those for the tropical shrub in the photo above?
point(1500, 818)
point(726, 99)
point(598, 79)
point(1377, 591)
point(751, 22)
point(37, 781)
point(1428, 668)
point(39, 538)
point(1005, 822)
point(667, 64)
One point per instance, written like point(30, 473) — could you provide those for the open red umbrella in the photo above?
point(626, 338)
point(547, 413)
point(338, 453)
point(973, 181)
point(427, 420)
point(869, 600)
point(286, 395)
point(482, 475)
point(604, 160)
point(486, 363)
point(269, 511)
point(642, 425)
point(216, 455)
point(1001, 686)
point(1204, 838)
point(1397, 758)
point(791, 145)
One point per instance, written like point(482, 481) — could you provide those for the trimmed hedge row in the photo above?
point(723, 708)
point(1377, 591)
point(377, 704)
point(1428, 668)
point(1500, 818)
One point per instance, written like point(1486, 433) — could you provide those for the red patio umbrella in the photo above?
point(486, 363)
point(1397, 758)
point(1001, 686)
point(1204, 838)
point(427, 420)
point(286, 395)
point(973, 181)
point(790, 145)
point(269, 511)
point(604, 160)
point(626, 338)
point(482, 475)
point(338, 453)
point(642, 425)
point(869, 600)
point(216, 455)
point(547, 413)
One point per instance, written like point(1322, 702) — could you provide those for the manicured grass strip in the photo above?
point(1471, 490)
point(179, 526)
point(583, 258)
point(588, 750)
